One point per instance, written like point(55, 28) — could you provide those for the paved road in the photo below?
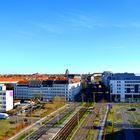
point(83, 132)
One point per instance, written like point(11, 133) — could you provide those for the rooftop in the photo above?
point(124, 76)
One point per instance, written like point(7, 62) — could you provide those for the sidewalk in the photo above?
point(103, 124)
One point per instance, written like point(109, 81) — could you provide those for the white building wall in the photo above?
point(67, 91)
point(6, 99)
point(73, 89)
point(118, 87)
point(9, 100)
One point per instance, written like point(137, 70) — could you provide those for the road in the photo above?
point(83, 132)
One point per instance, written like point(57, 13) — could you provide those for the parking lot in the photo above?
point(123, 122)
point(25, 115)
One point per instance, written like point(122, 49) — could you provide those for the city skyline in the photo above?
point(82, 36)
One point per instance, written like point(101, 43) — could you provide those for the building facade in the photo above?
point(125, 87)
point(48, 89)
point(6, 99)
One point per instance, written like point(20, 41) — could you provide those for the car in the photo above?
point(4, 116)
point(109, 123)
point(132, 109)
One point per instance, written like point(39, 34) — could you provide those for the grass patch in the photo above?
point(82, 103)
point(24, 135)
point(109, 127)
point(63, 119)
point(5, 126)
point(90, 135)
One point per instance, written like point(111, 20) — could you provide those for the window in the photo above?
point(136, 88)
point(128, 90)
point(4, 106)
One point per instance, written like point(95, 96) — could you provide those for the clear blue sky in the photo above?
point(49, 36)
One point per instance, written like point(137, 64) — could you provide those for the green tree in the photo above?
point(58, 101)
point(37, 97)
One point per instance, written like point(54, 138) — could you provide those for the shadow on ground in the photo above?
point(120, 135)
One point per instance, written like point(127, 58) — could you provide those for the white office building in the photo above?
point(6, 99)
point(125, 87)
point(48, 89)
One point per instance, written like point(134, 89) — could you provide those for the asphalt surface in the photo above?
point(127, 126)
point(83, 132)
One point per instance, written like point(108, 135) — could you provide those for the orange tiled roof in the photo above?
point(8, 80)
point(75, 80)
point(23, 82)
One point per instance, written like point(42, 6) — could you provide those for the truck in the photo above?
point(4, 116)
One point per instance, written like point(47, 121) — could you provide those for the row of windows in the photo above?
point(2, 93)
point(132, 84)
point(127, 92)
point(2, 98)
point(129, 81)
point(3, 106)
point(118, 85)
point(2, 102)
point(132, 81)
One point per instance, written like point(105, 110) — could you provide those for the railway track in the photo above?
point(67, 129)
point(43, 129)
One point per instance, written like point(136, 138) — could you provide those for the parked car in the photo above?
point(132, 109)
point(4, 116)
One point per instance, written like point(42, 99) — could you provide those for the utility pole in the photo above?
point(82, 97)
point(78, 117)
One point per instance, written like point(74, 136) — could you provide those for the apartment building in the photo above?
point(6, 99)
point(48, 89)
point(125, 87)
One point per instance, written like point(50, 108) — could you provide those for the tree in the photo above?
point(84, 84)
point(57, 101)
point(37, 97)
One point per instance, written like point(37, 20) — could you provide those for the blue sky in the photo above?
point(49, 36)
